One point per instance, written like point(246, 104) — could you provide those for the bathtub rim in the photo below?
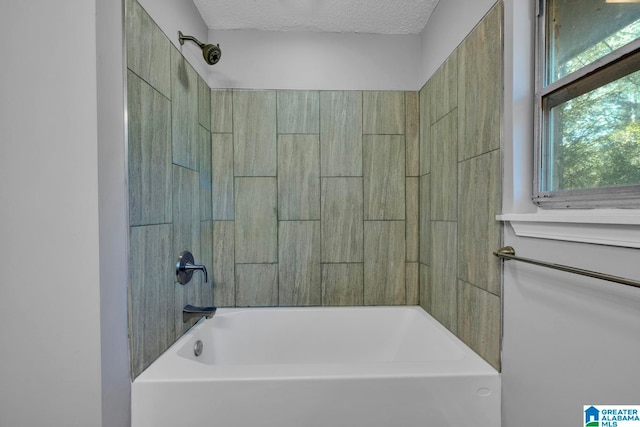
point(171, 367)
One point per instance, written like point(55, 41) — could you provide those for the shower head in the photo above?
point(210, 52)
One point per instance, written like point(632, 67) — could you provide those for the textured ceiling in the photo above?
point(336, 16)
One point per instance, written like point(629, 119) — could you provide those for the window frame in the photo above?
point(609, 68)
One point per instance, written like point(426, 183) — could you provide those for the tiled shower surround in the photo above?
point(295, 198)
point(460, 189)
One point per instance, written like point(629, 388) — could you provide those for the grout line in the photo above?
point(406, 214)
point(362, 171)
point(342, 262)
point(256, 263)
point(151, 85)
point(233, 182)
point(322, 289)
point(277, 136)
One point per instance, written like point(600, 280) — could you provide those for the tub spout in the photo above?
point(190, 311)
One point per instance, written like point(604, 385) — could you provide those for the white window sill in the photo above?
point(614, 227)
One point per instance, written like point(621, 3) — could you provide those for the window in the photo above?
point(588, 104)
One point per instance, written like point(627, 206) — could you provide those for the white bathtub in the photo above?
point(318, 367)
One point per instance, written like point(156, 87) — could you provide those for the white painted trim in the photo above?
point(584, 216)
point(602, 227)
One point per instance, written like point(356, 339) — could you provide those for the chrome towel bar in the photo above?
point(509, 252)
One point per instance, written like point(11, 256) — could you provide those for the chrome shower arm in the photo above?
point(182, 38)
point(211, 53)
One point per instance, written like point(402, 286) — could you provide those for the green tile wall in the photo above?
point(256, 220)
point(298, 111)
point(184, 111)
point(341, 133)
point(384, 177)
point(153, 296)
point(299, 263)
point(301, 197)
point(170, 186)
point(298, 177)
point(256, 285)
point(317, 192)
point(149, 56)
point(254, 133)
point(342, 284)
point(149, 152)
point(384, 263)
point(223, 265)
point(460, 175)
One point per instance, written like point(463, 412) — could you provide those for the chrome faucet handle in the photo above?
point(185, 268)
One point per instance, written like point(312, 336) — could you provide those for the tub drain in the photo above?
point(197, 349)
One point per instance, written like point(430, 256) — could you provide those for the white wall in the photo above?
point(50, 272)
point(568, 340)
point(112, 204)
point(308, 60)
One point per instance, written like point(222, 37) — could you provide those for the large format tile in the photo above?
point(444, 86)
point(204, 104)
point(412, 283)
point(299, 263)
point(425, 288)
point(342, 284)
point(384, 178)
point(257, 285)
point(479, 233)
point(254, 132)
point(222, 177)
point(384, 263)
point(342, 217)
point(298, 177)
point(425, 219)
point(298, 111)
point(206, 258)
point(186, 211)
point(443, 269)
point(479, 321)
point(184, 111)
point(444, 168)
point(149, 128)
point(413, 218)
point(223, 274)
point(480, 86)
point(412, 132)
point(341, 133)
point(383, 113)
point(204, 166)
point(256, 221)
point(152, 298)
point(222, 110)
point(425, 128)
point(147, 49)
point(186, 237)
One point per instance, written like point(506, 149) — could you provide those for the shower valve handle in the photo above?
point(185, 268)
